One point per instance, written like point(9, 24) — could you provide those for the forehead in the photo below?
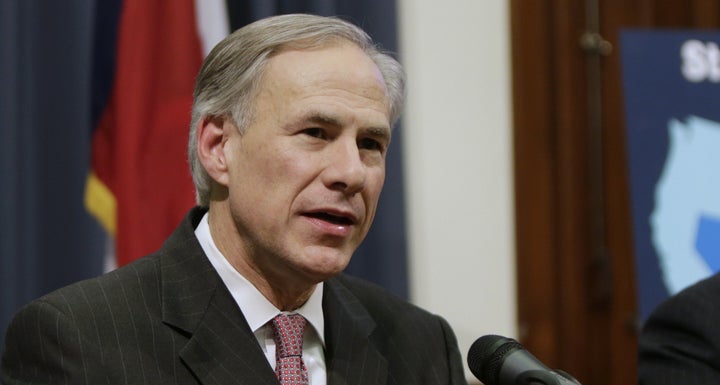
point(342, 71)
point(339, 84)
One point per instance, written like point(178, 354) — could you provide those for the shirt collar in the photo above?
point(257, 310)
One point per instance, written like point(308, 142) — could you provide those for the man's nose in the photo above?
point(345, 170)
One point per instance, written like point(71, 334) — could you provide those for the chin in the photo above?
point(326, 265)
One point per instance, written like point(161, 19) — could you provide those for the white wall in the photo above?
point(458, 159)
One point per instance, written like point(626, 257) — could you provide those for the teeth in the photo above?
point(332, 218)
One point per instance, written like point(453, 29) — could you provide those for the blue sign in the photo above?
point(672, 107)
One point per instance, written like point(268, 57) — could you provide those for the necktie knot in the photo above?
point(288, 333)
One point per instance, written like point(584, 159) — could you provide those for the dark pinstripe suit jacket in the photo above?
point(680, 342)
point(168, 319)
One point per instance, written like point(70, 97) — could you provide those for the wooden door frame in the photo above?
point(575, 272)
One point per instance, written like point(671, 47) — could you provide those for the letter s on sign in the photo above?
point(700, 61)
point(695, 66)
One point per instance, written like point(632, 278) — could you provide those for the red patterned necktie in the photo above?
point(288, 334)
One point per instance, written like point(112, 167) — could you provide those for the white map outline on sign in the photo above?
point(688, 188)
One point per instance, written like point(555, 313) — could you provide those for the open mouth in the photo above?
point(335, 219)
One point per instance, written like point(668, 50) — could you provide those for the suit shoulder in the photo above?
point(139, 279)
point(708, 287)
point(703, 294)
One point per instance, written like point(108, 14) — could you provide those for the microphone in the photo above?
point(498, 360)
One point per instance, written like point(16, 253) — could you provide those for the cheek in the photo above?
point(377, 179)
point(284, 174)
point(268, 161)
point(373, 188)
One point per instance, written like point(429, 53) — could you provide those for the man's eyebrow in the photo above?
point(322, 118)
point(380, 132)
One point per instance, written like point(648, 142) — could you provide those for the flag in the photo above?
point(140, 186)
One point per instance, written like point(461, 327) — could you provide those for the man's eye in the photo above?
point(369, 144)
point(314, 132)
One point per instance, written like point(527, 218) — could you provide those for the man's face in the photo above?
point(306, 175)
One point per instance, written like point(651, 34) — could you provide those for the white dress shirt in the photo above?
point(258, 311)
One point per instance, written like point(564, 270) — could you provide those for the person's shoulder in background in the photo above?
point(680, 341)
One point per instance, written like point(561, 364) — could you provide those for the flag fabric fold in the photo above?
point(140, 187)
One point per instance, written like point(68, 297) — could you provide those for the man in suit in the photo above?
point(292, 118)
point(680, 341)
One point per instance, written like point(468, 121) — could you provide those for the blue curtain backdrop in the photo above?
point(47, 239)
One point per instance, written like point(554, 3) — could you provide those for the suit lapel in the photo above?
point(221, 348)
point(351, 358)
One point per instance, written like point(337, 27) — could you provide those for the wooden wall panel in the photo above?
point(534, 160)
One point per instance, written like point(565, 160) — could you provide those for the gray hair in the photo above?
point(228, 79)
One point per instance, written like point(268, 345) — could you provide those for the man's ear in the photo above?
point(211, 141)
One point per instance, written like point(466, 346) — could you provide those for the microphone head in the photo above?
point(487, 354)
